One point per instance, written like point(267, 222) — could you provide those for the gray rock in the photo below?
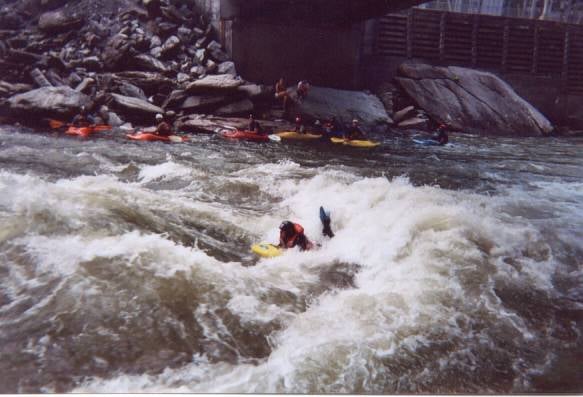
point(216, 52)
point(182, 78)
point(148, 81)
point(116, 50)
point(211, 66)
point(404, 114)
point(156, 52)
point(200, 103)
point(197, 71)
point(39, 78)
point(59, 21)
point(131, 90)
point(48, 102)
point(149, 63)
point(86, 85)
point(323, 103)
point(418, 123)
point(174, 99)
point(92, 63)
point(155, 41)
point(134, 106)
point(219, 82)
point(254, 91)
point(9, 89)
point(200, 56)
point(242, 107)
point(171, 46)
point(184, 34)
point(227, 68)
point(470, 100)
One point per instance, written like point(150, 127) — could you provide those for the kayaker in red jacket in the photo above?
point(163, 128)
point(292, 235)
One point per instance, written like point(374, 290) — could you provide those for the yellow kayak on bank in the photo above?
point(297, 136)
point(266, 250)
point(355, 143)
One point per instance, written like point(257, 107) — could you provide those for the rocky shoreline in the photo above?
point(128, 60)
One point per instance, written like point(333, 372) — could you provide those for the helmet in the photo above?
point(286, 226)
point(317, 122)
point(355, 121)
point(159, 117)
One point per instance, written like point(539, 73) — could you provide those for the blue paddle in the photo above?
point(325, 218)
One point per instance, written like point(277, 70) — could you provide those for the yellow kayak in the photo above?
point(266, 250)
point(356, 143)
point(297, 136)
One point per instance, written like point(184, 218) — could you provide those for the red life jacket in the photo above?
point(291, 241)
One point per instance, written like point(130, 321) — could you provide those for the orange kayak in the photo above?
point(81, 131)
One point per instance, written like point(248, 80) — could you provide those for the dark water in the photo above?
point(125, 266)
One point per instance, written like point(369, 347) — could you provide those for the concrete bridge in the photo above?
point(318, 40)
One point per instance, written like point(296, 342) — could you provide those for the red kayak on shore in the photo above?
point(145, 136)
point(245, 135)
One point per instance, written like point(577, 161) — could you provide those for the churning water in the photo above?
point(125, 266)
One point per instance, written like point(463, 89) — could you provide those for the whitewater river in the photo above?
point(125, 266)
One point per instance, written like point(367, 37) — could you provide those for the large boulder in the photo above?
point(470, 100)
point(48, 102)
point(323, 103)
point(134, 108)
point(59, 21)
point(219, 82)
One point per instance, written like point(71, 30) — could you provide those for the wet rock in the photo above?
point(216, 52)
point(211, 66)
point(323, 103)
point(22, 57)
point(227, 68)
point(74, 79)
point(59, 21)
point(149, 63)
point(470, 100)
point(404, 114)
point(48, 102)
point(242, 107)
point(134, 107)
point(219, 82)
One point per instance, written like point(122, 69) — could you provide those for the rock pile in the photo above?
point(132, 59)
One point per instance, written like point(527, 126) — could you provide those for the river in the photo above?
point(125, 266)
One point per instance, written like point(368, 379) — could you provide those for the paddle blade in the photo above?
point(56, 124)
point(325, 218)
point(274, 138)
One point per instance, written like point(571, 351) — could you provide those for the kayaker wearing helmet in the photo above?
point(162, 127)
point(83, 119)
point(354, 132)
point(441, 136)
point(291, 235)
